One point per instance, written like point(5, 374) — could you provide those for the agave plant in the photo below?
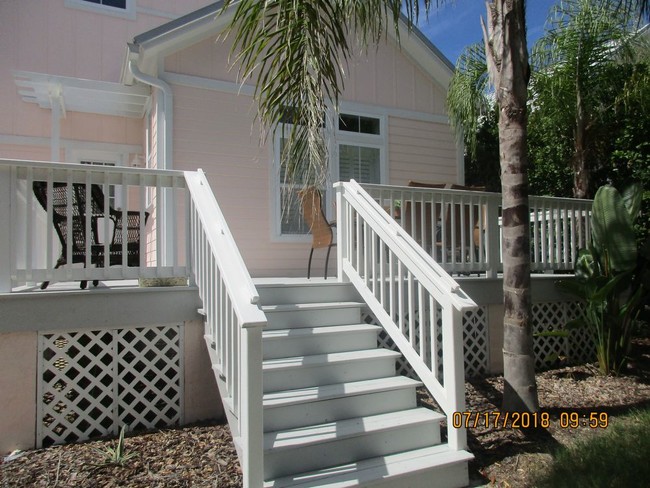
point(611, 276)
point(116, 455)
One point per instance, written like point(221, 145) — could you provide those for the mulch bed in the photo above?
point(204, 455)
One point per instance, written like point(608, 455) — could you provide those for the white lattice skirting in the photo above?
point(549, 350)
point(90, 383)
point(578, 347)
point(475, 339)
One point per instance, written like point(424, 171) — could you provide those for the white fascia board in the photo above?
point(176, 35)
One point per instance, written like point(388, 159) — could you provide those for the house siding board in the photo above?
point(420, 150)
point(207, 59)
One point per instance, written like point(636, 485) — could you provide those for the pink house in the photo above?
point(137, 99)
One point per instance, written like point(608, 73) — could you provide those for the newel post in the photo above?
point(252, 419)
point(6, 197)
point(454, 373)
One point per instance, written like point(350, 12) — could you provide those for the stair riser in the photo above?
point(320, 412)
point(283, 462)
point(452, 476)
point(313, 318)
point(319, 344)
point(328, 374)
point(280, 295)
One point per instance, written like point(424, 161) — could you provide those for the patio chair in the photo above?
point(77, 235)
point(320, 228)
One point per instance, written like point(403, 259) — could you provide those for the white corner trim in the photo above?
point(207, 83)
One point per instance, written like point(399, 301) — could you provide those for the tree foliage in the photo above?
point(585, 40)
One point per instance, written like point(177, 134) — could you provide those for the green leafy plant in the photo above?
point(116, 455)
point(611, 277)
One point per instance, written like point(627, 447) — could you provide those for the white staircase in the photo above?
point(335, 413)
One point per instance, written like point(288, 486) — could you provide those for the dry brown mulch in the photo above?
point(197, 456)
point(204, 456)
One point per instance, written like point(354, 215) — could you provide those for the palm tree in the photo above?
point(583, 41)
point(297, 49)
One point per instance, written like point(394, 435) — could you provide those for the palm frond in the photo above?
point(469, 97)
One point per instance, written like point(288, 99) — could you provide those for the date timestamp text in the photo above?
point(526, 420)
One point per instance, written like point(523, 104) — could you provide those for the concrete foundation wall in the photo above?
point(18, 363)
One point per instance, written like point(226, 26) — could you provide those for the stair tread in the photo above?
point(309, 306)
point(309, 331)
point(328, 358)
point(368, 470)
point(341, 429)
point(328, 392)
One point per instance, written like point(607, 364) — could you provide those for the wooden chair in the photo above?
point(320, 228)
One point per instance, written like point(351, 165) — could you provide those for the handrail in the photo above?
point(234, 320)
point(409, 293)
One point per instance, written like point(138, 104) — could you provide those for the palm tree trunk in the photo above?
point(507, 58)
point(580, 169)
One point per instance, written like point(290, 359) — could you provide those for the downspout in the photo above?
point(168, 109)
point(168, 244)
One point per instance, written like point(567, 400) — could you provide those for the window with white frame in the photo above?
point(120, 8)
point(357, 148)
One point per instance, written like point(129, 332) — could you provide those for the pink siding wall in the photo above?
point(48, 37)
point(386, 76)
point(214, 131)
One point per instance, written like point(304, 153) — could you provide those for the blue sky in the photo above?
point(456, 24)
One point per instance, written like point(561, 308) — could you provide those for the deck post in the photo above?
point(252, 422)
point(454, 373)
point(6, 201)
point(493, 238)
point(341, 233)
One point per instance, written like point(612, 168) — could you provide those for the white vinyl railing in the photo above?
point(461, 229)
point(90, 223)
point(413, 298)
point(234, 321)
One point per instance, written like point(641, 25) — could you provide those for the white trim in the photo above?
point(208, 83)
point(67, 144)
point(346, 106)
point(126, 13)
